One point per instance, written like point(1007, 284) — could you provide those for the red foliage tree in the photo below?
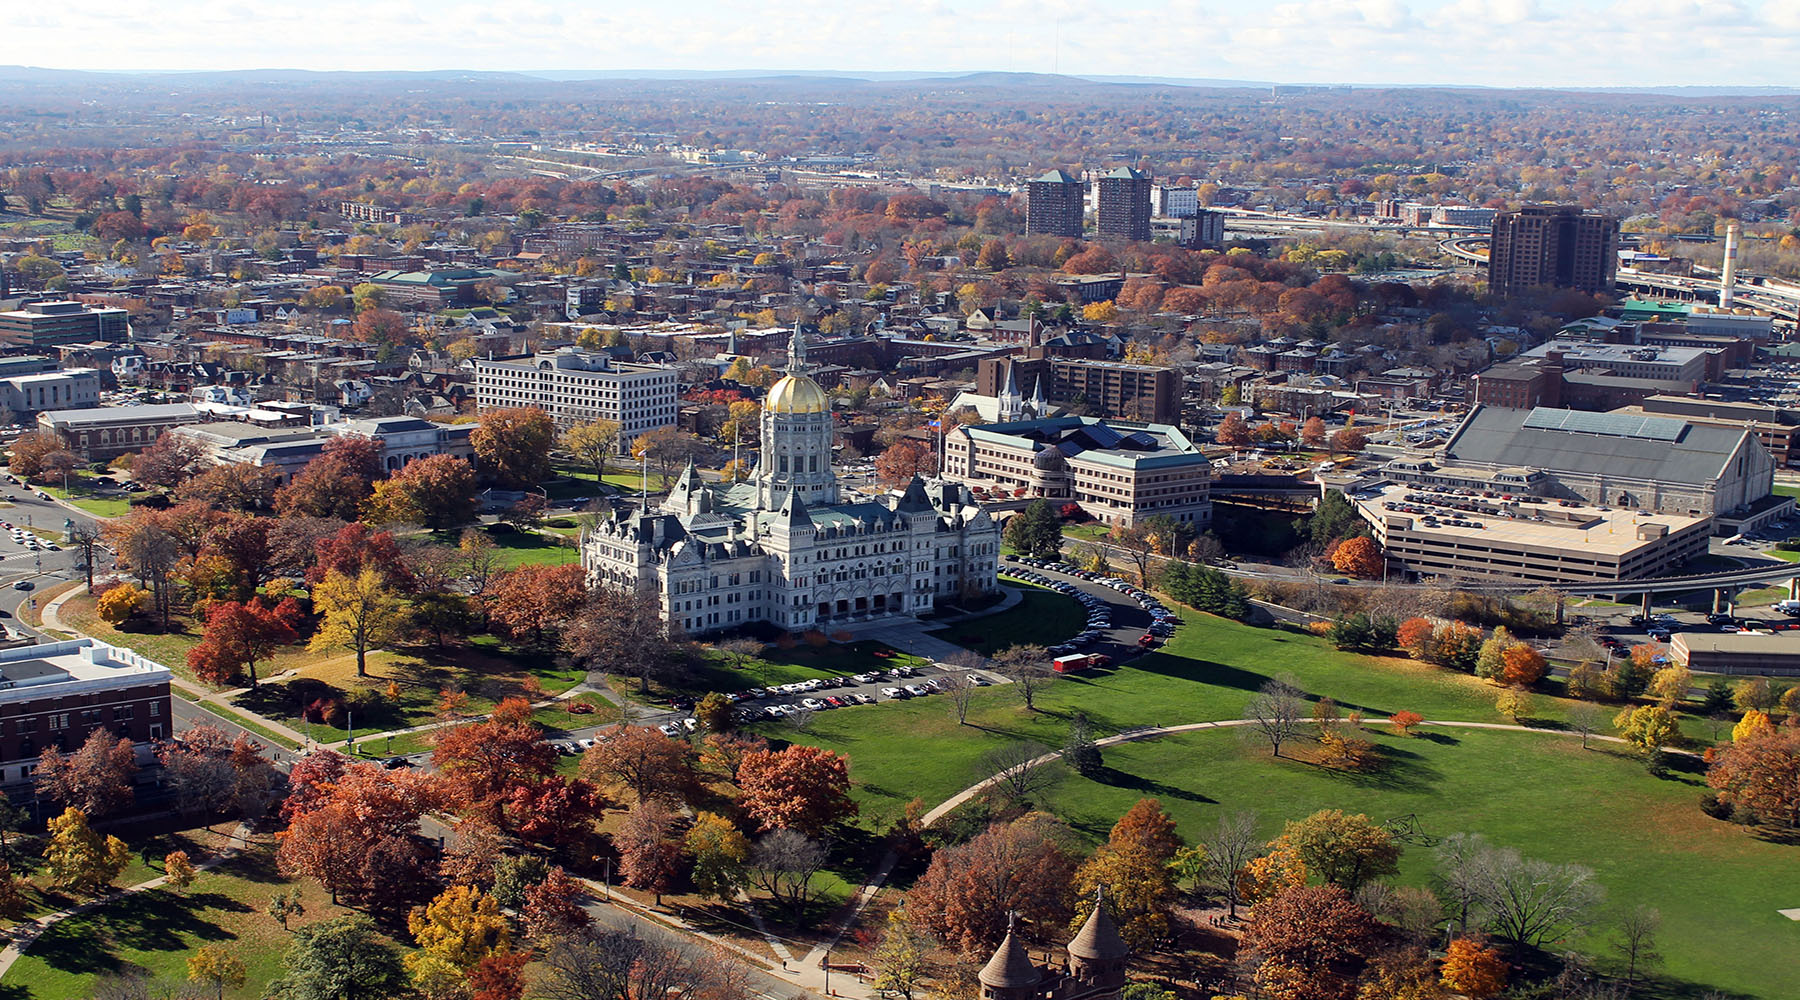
point(553, 906)
point(238, 635)
point(800, 788)
point(95, 777)
point(532, 602)
point(555, 812)
point(649, 854)
point(1413, 634)
point(1232, 432)
point(481, 764)
point(642, 759)
point(499, 976)
point(903, 460)
point(968, 890)
point(355, 546)
point(1762, 773)
point(1359, 557)
point(336, 482)
point(441, 488)
point(1304, 936)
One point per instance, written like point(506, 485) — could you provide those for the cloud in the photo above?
point(1477, 42)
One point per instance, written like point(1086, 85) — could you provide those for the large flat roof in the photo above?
point(53, 669)
point(1581, 527)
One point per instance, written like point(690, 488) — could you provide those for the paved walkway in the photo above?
point(24, 934)
point(912, 636)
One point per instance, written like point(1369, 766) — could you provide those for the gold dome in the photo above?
point(796, 394)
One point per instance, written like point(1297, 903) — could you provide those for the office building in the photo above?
point(578, 387)
point(54, 694)
point(52, 324)
point(784, 548)
point(25, 395)
point(1119, 475)
point(1053, 205)
point(1455, 533)
point(1758, 653)
point(1122, 205)
point(1558, 246)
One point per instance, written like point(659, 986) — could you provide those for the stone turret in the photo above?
point(1097, 956)
point(1010, 974)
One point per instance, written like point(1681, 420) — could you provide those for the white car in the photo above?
point(811, 703)
point(892, 692)
point(668, 729)
point(692, 724)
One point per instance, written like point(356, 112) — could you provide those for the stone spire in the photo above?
point(1037, 399)
point(797, 350)
point(1010, 974)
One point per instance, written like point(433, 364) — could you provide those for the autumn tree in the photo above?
point(96, 778)
point(556, 812)
point(360, 612)
point(79, 859)
point(1232, 431)
point(178, 870)
point(336, 482)
point(169, 461)
point(1359, 557)
point(1521, 665)
point(667, 449)
point(1312, 433)
point(239, 486)
point(438, 492)
point(800, 787)
point(553, 906)
point(513, 444)
point(534, 602)
point(238, 635)
point(593, 444)
point(212, 771)
point(1302, 938)
point(481, 764)
point(1647, 727)
point(903, 460)
point(1350, 439)
point(148, 549)
point(1228, 854)
point(1413, 635)
point(649, 852)
point(968, 890)
point(718, 851)
point(1515, 703)
point(120, 602)
point(461, 926)
point(1474, 969)
point(1761, 773)
point(1343, 850)
point(499, 976)
point(217, 967)
point(1133, 867)
point(27, 452)
point(642, 759)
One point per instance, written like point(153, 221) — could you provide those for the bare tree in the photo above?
point(1585, 718)
point(782, 864)
point(1016, 769)
point(960, 691)
point(1277, 713)
point(1029, 669)
point(1459, 859)
point(84, 538)
point(740, 653)
point(1231, 847)
point(1532, 903)
point(1636, 946)
point(800, 719)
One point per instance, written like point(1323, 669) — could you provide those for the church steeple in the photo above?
point(797, 350)
point(1011, 404)
point(1037, 399)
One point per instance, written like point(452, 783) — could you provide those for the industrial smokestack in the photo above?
point(1728, 276)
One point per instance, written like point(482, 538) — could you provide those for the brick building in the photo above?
point(54, 694)
point(1053, 205)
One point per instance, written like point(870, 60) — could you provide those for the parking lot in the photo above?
point(1123, 621)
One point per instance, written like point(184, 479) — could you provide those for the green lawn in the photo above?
point(155, 932)
point(517, 549)
point(1043, 616)
point(775, 665)
point(582, 483)
point(82, 495)
point(1787, 491)
point(1645, 837)
point(1209, 671)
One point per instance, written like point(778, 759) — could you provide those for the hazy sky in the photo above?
point(1487, 42)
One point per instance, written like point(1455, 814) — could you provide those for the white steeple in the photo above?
point(1011, 403)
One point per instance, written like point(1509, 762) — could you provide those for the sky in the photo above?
point(1504, 43)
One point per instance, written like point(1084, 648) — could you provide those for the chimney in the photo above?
point(1728, 275)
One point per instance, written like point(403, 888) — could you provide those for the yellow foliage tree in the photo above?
point(1754, 723)
point(120, 602)
point(80, 859)
point(1474, 970)
point(216, 966)
point(1274, 873)
point(360, 613)
point(461, 926)
point(1100, 312)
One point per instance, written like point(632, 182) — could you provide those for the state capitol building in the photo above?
point(783, 547)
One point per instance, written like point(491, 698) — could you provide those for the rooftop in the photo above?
point(26, 672)
point(1602, 531)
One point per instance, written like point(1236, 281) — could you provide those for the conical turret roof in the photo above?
point(1099, 938)
point(1010, 968)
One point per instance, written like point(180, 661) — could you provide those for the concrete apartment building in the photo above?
point(1559, 246)
point(1434, 533)
point(1122, 205)
point(1175, 202)
point(1054, 205)
point(576, 386)
point(1120, 475)
point(51, 324)
point(1107, 388)
point(54, 694)
point(1203, 230)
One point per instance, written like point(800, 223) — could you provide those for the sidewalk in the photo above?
point(24, 934)
point(909, 635)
